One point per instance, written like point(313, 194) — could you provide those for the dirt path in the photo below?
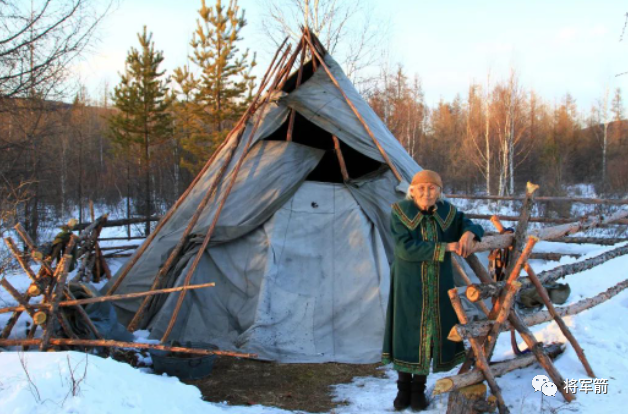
point(288, 386)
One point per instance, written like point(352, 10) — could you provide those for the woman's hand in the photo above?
point(466, 244)
point(453, 247)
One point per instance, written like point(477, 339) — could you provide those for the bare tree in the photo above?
point(347, 28)
point(39, 39)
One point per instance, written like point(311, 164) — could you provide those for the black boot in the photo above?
point(404, 387)
point(418, 402)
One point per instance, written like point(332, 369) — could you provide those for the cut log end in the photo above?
point(33, 290)
point(40, 317)
point(442, 385)
point(454, 335)
point(473, 293)
point(531, 188)
point(498, 224)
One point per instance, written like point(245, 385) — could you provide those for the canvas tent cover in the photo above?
point(301, 267)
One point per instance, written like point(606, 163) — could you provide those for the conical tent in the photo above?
point(290, 220)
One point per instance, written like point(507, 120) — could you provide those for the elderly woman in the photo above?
point(426, 230)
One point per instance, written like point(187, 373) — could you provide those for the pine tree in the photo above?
point(214, 99)
point(142, 100)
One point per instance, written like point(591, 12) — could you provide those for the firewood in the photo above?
point(478, 292)
point(40, 318)
point(481, 328)
point(498, 369)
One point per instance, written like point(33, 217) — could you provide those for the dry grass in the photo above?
point(288, 386)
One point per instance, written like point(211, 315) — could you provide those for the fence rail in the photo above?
point(611, 201)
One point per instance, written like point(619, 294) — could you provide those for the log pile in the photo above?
point(48, 301)
point(466, 396)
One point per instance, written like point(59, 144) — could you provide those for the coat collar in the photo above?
point(411, 216)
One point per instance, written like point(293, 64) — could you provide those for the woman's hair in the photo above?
point(440, 194)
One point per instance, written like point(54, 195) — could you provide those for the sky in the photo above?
point(556, 47)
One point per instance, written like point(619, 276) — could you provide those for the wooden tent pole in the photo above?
point(71, 302)
point(236, 130)
point(341, 159)
point(139, 314)
point(210, 231)
point(119, 344)
point(285, 71)
point(354, 109)
point(299, 77)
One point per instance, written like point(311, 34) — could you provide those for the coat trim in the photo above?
point(445, 214)
point(409, 223)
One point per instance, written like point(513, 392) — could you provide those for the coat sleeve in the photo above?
point(467, 225)
point(411, 250)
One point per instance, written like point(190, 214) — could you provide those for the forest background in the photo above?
point(140, 142)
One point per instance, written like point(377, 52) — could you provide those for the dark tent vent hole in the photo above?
point(328, 169)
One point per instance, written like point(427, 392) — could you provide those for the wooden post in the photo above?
point(559, 321)
point(62, 274)
point(20, 259)
point(16, 295)
point(455, 382)
point(478, 269)
point(537, 349)
point(467, 281)
point(522, 227)
point(480, 358)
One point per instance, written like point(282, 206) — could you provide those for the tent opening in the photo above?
point(328, 169)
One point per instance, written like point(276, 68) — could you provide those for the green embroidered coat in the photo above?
point(420, 314)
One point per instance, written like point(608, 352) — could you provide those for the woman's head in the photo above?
point(425, 189)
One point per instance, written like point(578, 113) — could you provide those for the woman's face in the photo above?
point(425, 195)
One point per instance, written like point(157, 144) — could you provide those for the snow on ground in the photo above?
point(72, 382)
point(45, 385)
point(601, 331)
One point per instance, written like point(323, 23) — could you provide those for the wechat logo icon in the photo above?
point(543, 384)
